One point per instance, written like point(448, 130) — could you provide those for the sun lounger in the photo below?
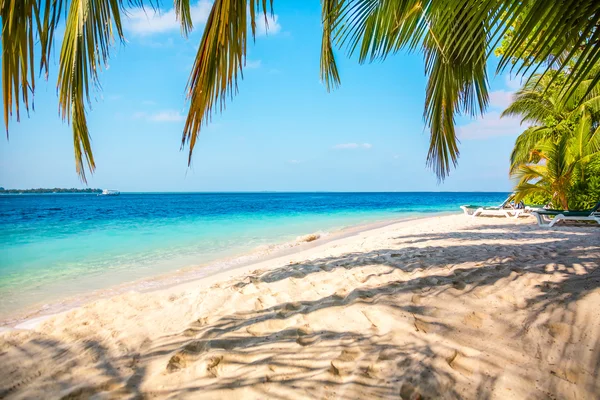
point(544, 216)
point(503, 210)
point(478, 211)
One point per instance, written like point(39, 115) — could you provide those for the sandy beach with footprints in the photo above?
point(443, 307)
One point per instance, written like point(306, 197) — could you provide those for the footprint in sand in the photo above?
point(568, 373)
point(290, 309)
point(409, 392)
point(474, 320)
point(459, 362)
point(189, 353)
point(346, 363)
point(416, 299)
point(90, 391)
point(196, 352)
point(214, 366)
point(306, 336)
point(424, 326)
point(563, 332)
point(459, 284)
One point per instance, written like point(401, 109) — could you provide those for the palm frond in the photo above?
point(580, 142)
point(219, 62)
point(524, 189)
point(18, 71)
point(457, 80)
point(524, 151)
point(376, 28)
point(85, 49)
point(583, 95)
point(530, 108)
point(184, 16)
point(558, 157)
point(329, 71)
point(535, 102)
point(558, 26)
point(457, 77)
point(525, 173)
point(594, 143)
point(89, 32)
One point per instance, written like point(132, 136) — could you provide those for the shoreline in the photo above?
point(31, 316)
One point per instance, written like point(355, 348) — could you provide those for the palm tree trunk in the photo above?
point(562, 197)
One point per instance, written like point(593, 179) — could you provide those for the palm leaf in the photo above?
point(558, 26)
point(184, 15)
point(329, 71)
point(524, 151)
point(18, 71)
point(533, 103)
point(219, 62)
point(85, 49)
point(89, 29)
point(525, 173)
point(524, 189)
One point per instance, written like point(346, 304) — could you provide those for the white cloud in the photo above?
point(268, 27)
point(148, 21)
point(352, 146)
point(500, 99)
point(157, 43)
point(161, 116)
point(490, 125)
point(294, 162)
point(513, 83)
point(167, 116)
point(139, 115)
point(253, 64)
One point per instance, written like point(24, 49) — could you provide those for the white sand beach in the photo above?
point(443, 307)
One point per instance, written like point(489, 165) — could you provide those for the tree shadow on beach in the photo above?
point(45, 367)
point(272, 352)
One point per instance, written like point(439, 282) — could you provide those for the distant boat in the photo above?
point(107, 192)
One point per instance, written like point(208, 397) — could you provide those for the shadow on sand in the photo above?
point(272, 352)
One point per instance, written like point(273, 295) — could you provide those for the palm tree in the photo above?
point(455, 36)
point(560, 163)
point(540, 103)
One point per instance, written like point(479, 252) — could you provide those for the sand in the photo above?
point(444, 307)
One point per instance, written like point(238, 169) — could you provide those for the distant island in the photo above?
point(41, 191)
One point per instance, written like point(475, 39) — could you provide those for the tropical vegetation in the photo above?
point(557, 159)
point(456, 38)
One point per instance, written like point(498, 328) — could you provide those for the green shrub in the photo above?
point(537, 199)
point(583, 195)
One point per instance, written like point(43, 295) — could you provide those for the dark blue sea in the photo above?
point(60, 245)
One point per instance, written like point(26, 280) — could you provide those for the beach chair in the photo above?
point(503, 210)
point(544, 217)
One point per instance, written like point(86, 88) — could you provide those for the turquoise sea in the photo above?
point(55, 246)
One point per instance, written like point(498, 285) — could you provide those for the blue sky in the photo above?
point(282, 132)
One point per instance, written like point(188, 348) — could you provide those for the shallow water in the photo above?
point(55, 246)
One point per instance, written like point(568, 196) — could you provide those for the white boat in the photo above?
point(108, 192)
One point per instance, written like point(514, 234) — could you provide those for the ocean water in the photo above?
point(55, 246)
